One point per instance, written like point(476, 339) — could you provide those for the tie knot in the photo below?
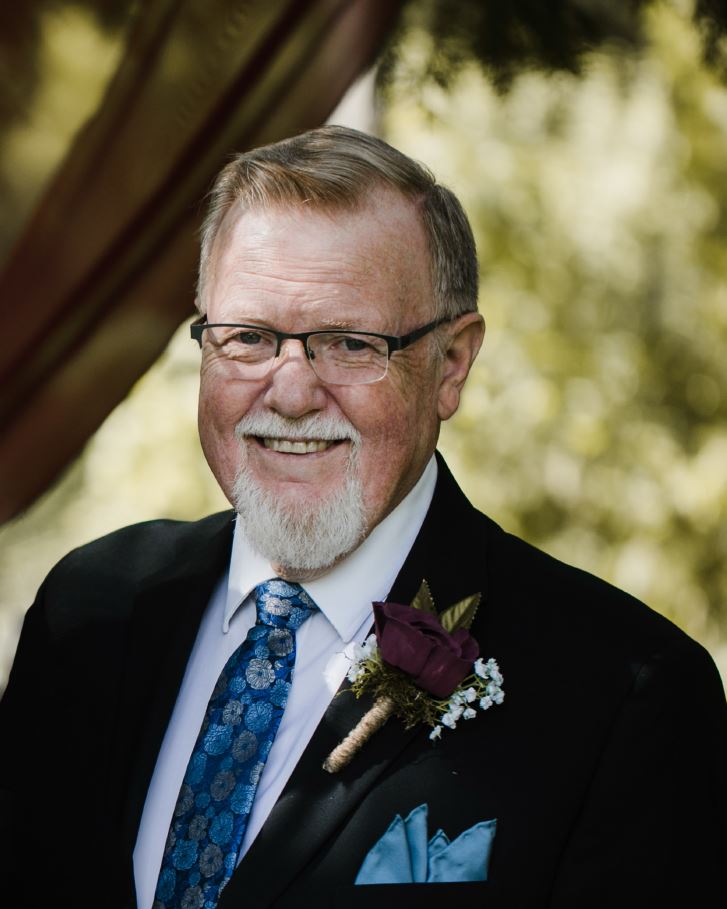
point(282, 604)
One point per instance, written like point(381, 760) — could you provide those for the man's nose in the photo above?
point(293, 388)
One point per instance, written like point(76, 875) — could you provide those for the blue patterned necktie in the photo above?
point(227, 762)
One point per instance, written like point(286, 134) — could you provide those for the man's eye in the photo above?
point(248, 337)
point(353, 345)
point(247, 345)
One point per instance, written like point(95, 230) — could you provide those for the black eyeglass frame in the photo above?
point(393, 342)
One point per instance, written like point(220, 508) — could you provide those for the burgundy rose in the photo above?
point(415, 642)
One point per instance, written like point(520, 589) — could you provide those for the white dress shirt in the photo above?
point(344, 596)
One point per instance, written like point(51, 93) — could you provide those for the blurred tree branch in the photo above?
point(505, 38)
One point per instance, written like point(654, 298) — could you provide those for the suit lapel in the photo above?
point(315, 803)
point(164, 625)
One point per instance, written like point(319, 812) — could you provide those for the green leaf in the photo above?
point(462, 614)
point(423, 600)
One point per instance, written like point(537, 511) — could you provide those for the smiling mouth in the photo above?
point(297, 446)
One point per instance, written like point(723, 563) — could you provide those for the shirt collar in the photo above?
point(345, 593)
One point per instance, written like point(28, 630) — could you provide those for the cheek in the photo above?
point(381, 419)
point(215, 410)
point(396, 437)
point(221, 405)
point(222, 400)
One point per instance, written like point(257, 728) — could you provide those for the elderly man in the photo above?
point(173, 699)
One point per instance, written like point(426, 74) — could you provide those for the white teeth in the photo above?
point(288, 446)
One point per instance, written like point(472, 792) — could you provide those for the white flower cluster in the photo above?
point(486, 691)
point(360, 653)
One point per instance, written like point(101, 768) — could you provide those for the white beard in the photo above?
point(300, 537)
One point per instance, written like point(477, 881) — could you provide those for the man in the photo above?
point(337, 292)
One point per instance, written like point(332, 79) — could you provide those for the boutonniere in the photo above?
point(421, 666)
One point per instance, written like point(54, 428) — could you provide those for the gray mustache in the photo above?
point(317, 426)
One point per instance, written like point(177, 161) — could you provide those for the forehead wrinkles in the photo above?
point(270, 262)
point(381, 245)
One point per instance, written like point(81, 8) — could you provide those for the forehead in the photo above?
point(304, 254)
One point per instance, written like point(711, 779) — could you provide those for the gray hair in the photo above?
point(335, 167)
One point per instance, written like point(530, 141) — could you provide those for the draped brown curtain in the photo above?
point(102, 270)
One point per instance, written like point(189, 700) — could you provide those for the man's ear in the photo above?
point(464, 340)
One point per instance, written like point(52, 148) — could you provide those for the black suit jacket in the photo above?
point(604, 767)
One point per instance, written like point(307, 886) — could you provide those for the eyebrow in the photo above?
point(342, 325)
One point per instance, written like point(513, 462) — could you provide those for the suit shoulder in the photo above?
point(138, 551)
point(559, 599)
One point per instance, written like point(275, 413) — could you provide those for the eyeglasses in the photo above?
point(337, 357)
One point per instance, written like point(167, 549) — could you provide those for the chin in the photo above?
point(301, 527)
point(296, 496)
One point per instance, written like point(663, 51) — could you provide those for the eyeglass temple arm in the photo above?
point(406, 340)
point(196, 329)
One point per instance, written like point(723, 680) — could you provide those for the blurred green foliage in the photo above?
point(505, 39)
point(595, 422)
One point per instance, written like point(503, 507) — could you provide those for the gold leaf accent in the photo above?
point(461, 615)
point(423, 600)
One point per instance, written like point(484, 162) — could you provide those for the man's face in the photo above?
point(297, 270)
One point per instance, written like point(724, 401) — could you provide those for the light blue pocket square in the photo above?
point(403, 855)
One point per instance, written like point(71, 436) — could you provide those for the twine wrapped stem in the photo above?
point(372, 720)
